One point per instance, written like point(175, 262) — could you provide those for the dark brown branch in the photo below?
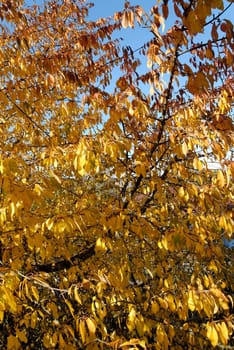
point(163, 121)
point(28, 117)
point(199, 46)
point(82, 256)
point(218, 15)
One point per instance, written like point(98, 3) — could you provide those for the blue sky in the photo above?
point(138, 36)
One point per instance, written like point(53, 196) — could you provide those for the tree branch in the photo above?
point(218, 15)
point(84, 255)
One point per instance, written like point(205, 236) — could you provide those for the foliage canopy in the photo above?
point(111, 219)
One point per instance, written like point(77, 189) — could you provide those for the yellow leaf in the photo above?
point(140, 322)
point(184, 148)
point(100, 245)
point(81, 159)
point(171, 302)
point(220, 179)
point(82, 330)
point(213, 266)
point(52, 174)
point(64, 109)
point(12, 210)
point(191, 302)
point(35, 293)
point(181, 192)
point(223, 332)
point(76, 296)
point(163, 303)
point(207, 306)
point(38, 189)
point(132, 342)
point(54, 339)
point(125, 20)
point(50, 80)
point(91, 324)
point(161, 335)
point(171, 332)
point(13, 343)
point(165, 243)
point(69, 330)
point(140, 169)
point(224, 304)
point(62, 344)
point(21, 335)
point(128, 19)
point(9, 299)
point(131, 319)
point(1, 316)
point(212, 334)
point(197, 164)
point(223, 222)
point(154, 307)
point(34, 320)
point(49, 223)
point(70, 307)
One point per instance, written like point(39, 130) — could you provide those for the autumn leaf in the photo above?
point(128, 19)
point(116, 175)
point(212, 334)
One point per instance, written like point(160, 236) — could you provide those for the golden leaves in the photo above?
point(50, 80)
point(131, 319)
point(220, 180)
point(128, 19)
point(8, 300)
point(155, 307)
point(191, 300)
point(100, 246)
point(35, 293)
point(21, 335)
point(162, 337)
point(13, 343)
point(129, 15)
point(223, 332)
point(210, 301)
point(224, 103)
point(212, 335)
point(126, 170)
point(197, 83)
point(184, 148)
point(217, 332)
point(98, 308)
point(82, 330)
point(77, 296)
point(197, 164)
point(70, 307)
point(133, 342)
point(80, 160)
point(85, 161)
point(91, 325)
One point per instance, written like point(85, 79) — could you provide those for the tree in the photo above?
point(111, 219)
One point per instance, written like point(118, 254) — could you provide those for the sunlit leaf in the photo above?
point(116, 175)
point(212, 334)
